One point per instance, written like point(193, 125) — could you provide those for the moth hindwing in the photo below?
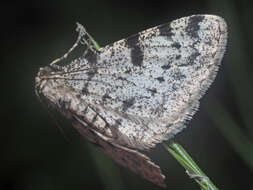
point(139, 91)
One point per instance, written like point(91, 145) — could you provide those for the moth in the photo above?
point(131, 95)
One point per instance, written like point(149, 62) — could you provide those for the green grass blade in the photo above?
point(192, 169)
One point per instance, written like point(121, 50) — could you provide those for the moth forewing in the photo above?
point(141, 90)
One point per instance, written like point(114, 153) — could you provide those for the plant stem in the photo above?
point(192, 169)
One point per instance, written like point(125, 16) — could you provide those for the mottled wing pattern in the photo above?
point(95, 129)
point(146, 86)
point(139, 91)
point(134, 160)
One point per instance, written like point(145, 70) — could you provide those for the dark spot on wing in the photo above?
point(91, 57)
point(112, 52)
point(191, 59)
point(178, 57)
point(105, 96)
point(166, 30)
point(153, 91)
point(85, 91)
point(209, 42)
point(139, 107)
point(178, 76)
point(193, 26)
point(118, 121)
point(137, 56)
point(160, 79)
point(176, 45)
point(122, 78)
point(166, 67)
point(90, 74)
point(175, 86)
point(128, 103)
point(136, 52)
point(127, 71)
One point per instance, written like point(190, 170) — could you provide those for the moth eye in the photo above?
point(45, 71)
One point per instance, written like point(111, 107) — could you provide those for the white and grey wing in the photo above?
point(148, 85)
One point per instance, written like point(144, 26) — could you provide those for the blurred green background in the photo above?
point(34, 155)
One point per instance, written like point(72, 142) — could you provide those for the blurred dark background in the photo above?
point(34, 155)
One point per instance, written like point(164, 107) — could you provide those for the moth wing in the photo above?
point(148, 85)
point(129, 158)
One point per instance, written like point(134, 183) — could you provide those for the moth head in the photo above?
point(48, 85)
point(41, 79)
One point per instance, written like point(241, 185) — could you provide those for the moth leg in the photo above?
point(83, 38)
point(198, 177)
point(86, 38)
point(87, 49)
